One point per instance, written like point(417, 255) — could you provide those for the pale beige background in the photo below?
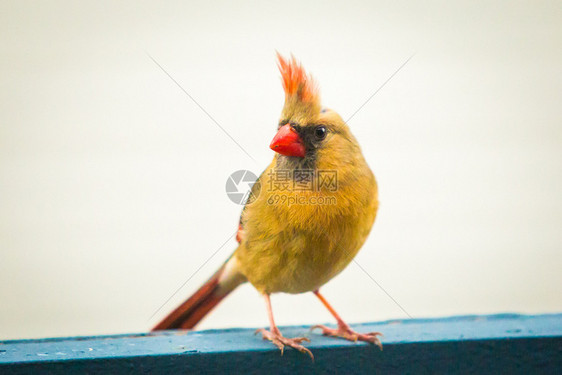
point(112, 180)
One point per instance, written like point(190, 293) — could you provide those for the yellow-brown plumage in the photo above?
point(289, 242)
point(298, 248)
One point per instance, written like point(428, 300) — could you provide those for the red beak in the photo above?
point(287, 142)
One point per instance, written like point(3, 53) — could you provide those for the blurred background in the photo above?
point(112, 181)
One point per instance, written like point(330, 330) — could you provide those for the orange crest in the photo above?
point(296, 81)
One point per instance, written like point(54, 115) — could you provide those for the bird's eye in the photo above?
point(320, 132)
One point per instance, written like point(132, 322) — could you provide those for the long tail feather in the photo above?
point(192, 311)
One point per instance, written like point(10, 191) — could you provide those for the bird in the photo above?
point(305, 219)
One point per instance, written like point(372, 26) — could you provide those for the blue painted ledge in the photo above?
point(505, 344)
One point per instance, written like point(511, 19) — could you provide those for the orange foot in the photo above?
point(280, 341)
point(344, 331)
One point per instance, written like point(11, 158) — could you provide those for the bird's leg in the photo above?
point(274, 334)
point(344, 330)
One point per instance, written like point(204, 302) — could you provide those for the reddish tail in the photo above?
point(192, 311)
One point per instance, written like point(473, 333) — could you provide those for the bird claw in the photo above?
point(280, 341)
point(347, 333)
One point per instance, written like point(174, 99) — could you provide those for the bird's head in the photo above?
point(309, 135)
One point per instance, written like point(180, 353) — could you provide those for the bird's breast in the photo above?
point(295, 241)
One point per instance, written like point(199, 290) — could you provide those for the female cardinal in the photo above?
point(308, 214)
